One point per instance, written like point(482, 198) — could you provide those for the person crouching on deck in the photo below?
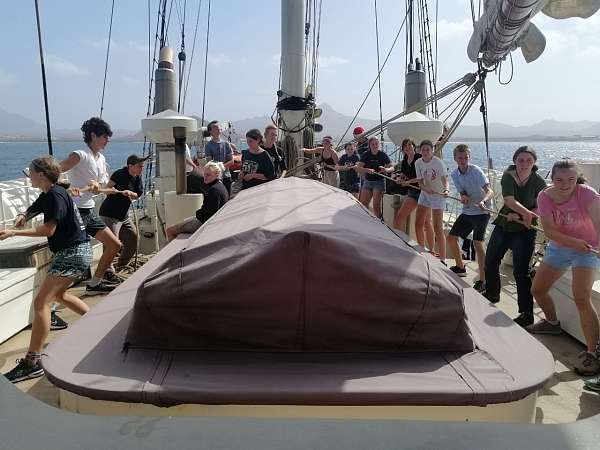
point(214, 199)
point(72, 256)
point(569, 211)
point(475, 194)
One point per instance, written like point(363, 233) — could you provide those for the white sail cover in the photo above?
point(495, 33)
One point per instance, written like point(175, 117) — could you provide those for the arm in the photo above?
point(555, 235)
point(517, 207)
point(44, 230)
point(313, 150)
point(228, 157)
point(71, 161)
point(361, 169)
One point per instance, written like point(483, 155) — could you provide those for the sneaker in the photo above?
point(100, 288)
point(587, 364)
point(493, 298)
point(25, 370)
point(458, 271)
point(479, 286)
point(56, 323)
point(544, 327)
point(112, 278)
point(524, 319)
point(593, 384)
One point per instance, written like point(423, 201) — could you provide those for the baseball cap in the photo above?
point(135, 159)
point(358, 130)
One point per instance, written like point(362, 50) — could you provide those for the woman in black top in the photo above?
point(371, 163)
point(406, 175)
point(214, 198)
point(70, 245)
point(349, 180)
point(257, 166)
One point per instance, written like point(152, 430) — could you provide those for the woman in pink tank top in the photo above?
point(570, 214)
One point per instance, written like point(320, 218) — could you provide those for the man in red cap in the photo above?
point(362, 145)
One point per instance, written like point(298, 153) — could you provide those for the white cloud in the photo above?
point(218, 59)
point(448, 30)
point(64, 68)
point(330, 61)
point(7, 79)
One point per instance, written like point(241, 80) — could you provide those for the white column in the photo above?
point(292, 61)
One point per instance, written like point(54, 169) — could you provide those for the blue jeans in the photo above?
point(522, 244)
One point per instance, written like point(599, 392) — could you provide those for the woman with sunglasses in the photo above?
point(70, 245)
point(257, 165)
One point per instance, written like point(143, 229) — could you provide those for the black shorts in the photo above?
point(414, 194)
point(92, 222)
point(465, 224)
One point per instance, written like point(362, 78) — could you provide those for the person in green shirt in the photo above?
point(513, 230)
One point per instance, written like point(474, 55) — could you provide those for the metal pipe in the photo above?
point(179, 133)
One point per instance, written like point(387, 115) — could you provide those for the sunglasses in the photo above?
point(26, 172)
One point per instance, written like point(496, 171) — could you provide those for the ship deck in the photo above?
point(562, 400)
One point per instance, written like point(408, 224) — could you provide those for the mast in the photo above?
point(414, 83)
point(293, 60)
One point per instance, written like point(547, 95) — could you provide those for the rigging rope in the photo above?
point(181, 57)
point(205, 64)
point(112, 9)
point(378, 66)
point(374, 81)
point(187, 82)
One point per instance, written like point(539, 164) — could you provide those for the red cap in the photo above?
point(358, 130)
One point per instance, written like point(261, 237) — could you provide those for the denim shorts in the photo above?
point(91, 220)
point(414, 194)
point(72, 262)
point(564, 257)
point(432, 201)
point(377, 185)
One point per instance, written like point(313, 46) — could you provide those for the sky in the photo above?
point(243, 61)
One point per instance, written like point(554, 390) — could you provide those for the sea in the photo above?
point(15, 156)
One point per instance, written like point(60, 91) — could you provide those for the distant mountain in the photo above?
point(334, 123)
point(15, 126)
point(545, 129)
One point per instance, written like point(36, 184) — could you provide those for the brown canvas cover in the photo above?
point(505, 365)
point(295, 265)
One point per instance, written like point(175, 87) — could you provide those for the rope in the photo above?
point(374, 81)
point(187, 82)
point(205, 64)
point(378, 78)
point(181, 57)
point(112, 9)
point(491, 211)
point(512, 71)
point(483, 109)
